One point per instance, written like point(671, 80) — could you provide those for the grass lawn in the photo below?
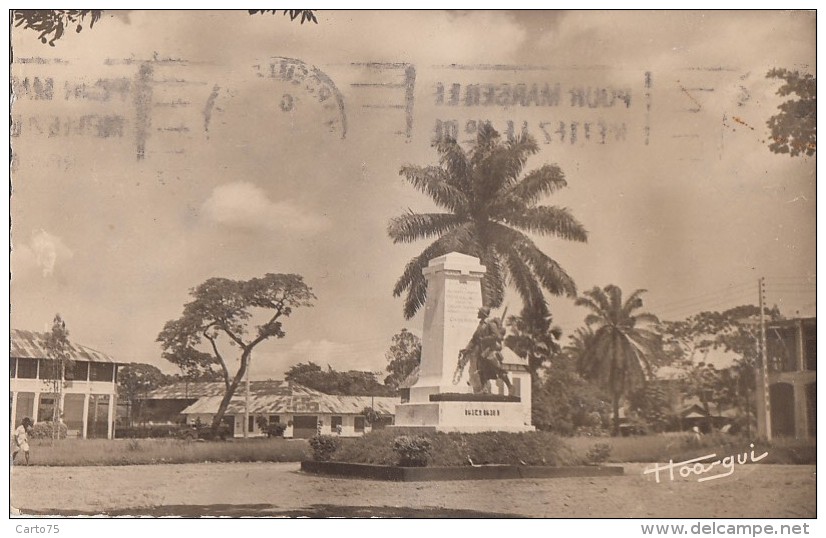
point(640, 449)
point(83, 452)
point(683, 446)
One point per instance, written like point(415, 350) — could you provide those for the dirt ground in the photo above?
point(279, 489)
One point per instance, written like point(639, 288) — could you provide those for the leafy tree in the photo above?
point(563, 401)
point(136, 380)
point(534, 339)
point(59, 361)
point(623, 351)
point(488, 202)
point(52, 23)
point(330, 381)
point(794, 129)
point(223, 312)
point(652, 403)
point(689, 342)
point(403, 357)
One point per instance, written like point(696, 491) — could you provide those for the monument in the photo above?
point(443, 398)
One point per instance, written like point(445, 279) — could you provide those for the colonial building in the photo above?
point(304, 411)
point(88, 391)
point(791, 350)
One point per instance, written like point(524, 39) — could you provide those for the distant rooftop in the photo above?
point(271, 404)
point(182, 390)
point(32, 345)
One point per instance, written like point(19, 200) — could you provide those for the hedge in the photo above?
point(456, 449)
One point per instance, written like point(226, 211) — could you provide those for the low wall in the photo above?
point(483, 472)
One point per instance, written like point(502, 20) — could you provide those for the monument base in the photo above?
point(463, 416)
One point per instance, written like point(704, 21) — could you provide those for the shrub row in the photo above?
point(152, 431)
point(45, 429)
point(411, 448)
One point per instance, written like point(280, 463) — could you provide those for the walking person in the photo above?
point(21, 440)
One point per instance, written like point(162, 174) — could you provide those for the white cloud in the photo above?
point(244, 205)
point(42, 252)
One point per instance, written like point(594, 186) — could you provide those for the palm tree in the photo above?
point(487, 204)
point(622, 349)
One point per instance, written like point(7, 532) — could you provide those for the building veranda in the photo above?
point(89, 387)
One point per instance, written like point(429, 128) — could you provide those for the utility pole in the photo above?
point(763, 371)
point(247, 400)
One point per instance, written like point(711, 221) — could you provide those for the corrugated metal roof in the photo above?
point(31, 345)
point(183, 390)
point(270, 404)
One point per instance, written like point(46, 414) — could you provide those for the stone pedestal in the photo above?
point(454, 297)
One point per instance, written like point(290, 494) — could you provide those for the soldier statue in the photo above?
point(484, 355)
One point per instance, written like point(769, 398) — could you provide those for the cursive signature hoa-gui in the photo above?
point(700, 467)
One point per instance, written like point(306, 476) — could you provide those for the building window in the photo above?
point(358, 424)
point(101, 371)
point(12, 368)
point(251, 424)
point(275, 419)
point(78, 371)
point(25, 407)
point(335, 423)
point(45, 409)
point(26, 368)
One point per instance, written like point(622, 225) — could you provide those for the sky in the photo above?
point(159, 149)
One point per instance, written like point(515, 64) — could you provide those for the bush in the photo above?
point(45, 430)
point(276, 430)
point(598, 453)
point(149, 431)
point(456, 449)
point(324, 446)
point(412, 451)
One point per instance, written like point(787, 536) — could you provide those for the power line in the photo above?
point(700, 297)
point(734, 295)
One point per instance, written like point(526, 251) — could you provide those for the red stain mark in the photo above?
point(693, 100)
point(741, 122)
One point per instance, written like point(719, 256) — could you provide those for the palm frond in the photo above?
point(537, 183)
point(614, 294)
point(586, 301)
point(523, 280)
point(548, 220)
point(455, 162)
point(633, 302)
point(599, 303)
point(550, 274)
point(645, 317)
point(493, 283)
point(458, 239)
point(435, 182)
point(510, 158)
point(413, 226)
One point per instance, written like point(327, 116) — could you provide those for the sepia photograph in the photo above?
point(452, 264)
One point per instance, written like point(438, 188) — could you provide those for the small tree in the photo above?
point(135, 380)
point(403, 357)
point(58, 352)
point(223, 312)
